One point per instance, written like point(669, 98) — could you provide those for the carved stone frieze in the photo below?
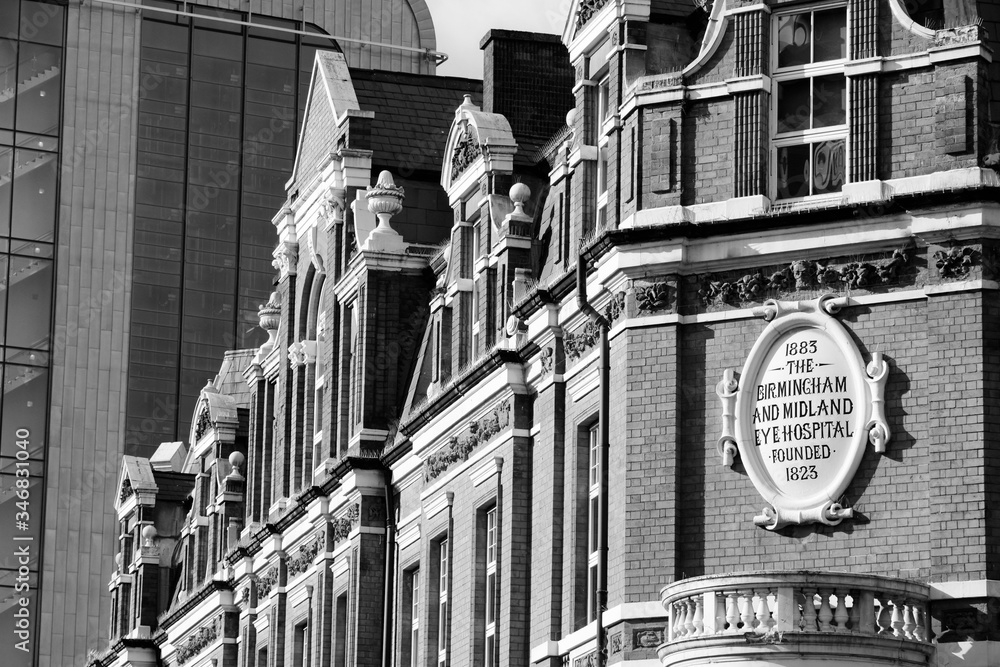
point(647, 637)
point(547, 358)
point(126, 491)
point(345, 523)
point(203, 424)
point(586, 10)
point(376, 513)
point(654, 297)
point(199, 640)
point(460, 447)
point(615, 307)
point(956, 262)
point(589, 660)
point(578, 343)
point(467, 151)
point(615, 643)
point(306, 555)
point(267, 581)
point(966, 34)
point(805, 275)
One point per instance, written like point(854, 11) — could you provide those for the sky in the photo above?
point(460, 24)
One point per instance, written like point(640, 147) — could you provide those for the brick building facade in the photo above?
point(703, 371)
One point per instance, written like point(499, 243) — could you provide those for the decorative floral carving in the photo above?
point(459, 448)
point(266, 582)
point(578, 343)
point(653, 297)
point(616, 643)
point(126, 491)
point(966, 34)
point(346, 522)
point(647, 638)
point(547, 357)
point(306, 555)
point(806, 274)
point(589, 660)
point(586, 10)
point(198, 641)
point(956, 262)
point(467, 151)
point(203, 425)
point(615, 307)
point(286, 256)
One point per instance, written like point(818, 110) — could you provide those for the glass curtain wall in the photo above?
point(220, 105)
point(32, 35)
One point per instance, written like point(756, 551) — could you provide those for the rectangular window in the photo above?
point(340, 633)
point(602, 113)
point(443, 590)
point(809, 116)
point(491, 587)
point(414, 609)
point(593, 518)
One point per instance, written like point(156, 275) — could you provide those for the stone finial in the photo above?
point(518, 223)
point(148, 535)
point(385, 200)
point(236, 460)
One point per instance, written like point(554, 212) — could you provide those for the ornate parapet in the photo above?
point(796, 618)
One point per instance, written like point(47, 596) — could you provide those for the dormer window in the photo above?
point(809, 115)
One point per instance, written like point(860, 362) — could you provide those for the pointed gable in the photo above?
point(331, 99)
point(135, 479)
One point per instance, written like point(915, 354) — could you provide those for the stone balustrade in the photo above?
point(816, 612)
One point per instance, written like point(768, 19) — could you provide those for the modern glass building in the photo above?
point(31, 61)
point(144, 146)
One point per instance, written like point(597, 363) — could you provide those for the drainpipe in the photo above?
point(390, 570)
point(601, 593)
point(498, 461)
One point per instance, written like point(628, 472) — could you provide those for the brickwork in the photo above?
point(707, 170)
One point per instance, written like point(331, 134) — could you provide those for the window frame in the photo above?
point(443, 603)
point(490, 584)
point(593, 515)
point(810, 136)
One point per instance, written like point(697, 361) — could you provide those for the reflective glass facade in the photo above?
point(31, 62)
point(219, 108)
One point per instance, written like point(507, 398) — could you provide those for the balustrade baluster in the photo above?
point(854, 614)
point(732, 612)
point(798, 619)
point(920, 621)
point(719, 606)
point(909, 622)
point(825, 613)
point(746, 603)
point(762, 617)
point(882, 621)
point(699, 616)
point(677, 622)
point(897, 618)
point(840, 613)
point(688, 618)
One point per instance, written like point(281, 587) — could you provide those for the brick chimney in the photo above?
point(528, 78)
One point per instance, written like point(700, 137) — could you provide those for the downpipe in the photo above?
point(601, 591)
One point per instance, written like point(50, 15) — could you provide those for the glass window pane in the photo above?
point(8, 79)
point(25, 393)
point(41, 22)
point(831, 34)
point(793, 40)
point(793, 171)
point(38, 86)
point(29, 290)
point(9, 529)
point(34, 195)
point(6, 187)
point(793, 105)
point(829, 100)
point(828, 166)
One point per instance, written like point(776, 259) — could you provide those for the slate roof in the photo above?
point(413, 113)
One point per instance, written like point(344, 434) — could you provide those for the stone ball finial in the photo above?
point(520, 194)
point(148, 535)
point(236, 460)
point(571, 117)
